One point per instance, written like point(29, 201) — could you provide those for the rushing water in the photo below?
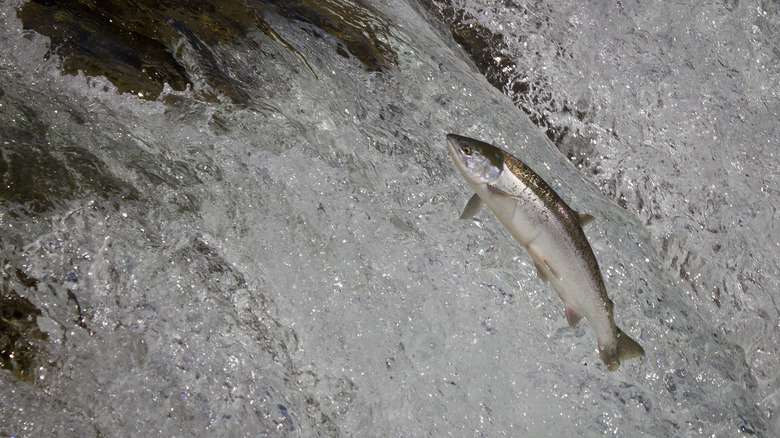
point(240, 219)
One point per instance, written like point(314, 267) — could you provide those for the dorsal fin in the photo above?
point(585, 219)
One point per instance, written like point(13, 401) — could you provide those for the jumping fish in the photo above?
point(552, 234)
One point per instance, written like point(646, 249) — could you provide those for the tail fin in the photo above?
point(626, 349)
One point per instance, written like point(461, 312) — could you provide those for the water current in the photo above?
point(240, 218)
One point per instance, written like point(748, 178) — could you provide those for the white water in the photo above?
point(680, 104)
point(298, 268)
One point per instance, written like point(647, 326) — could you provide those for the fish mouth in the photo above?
point(454, 148)
point(457, 155)
point(453, 140)
point(462, 160)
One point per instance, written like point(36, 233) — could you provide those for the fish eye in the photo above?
point(467, 150)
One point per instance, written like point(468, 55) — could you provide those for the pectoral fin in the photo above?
point(472, 207)
point(572, 316)
point(498, 191)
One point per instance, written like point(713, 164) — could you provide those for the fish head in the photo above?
point(479, 162)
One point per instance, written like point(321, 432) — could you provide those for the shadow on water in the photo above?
point(497, 62)
point(19, 332)
point(40, 168)
point(140, 45)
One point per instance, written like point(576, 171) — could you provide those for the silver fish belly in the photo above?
point(552, 234)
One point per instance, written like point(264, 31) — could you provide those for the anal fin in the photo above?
point(572, 316)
